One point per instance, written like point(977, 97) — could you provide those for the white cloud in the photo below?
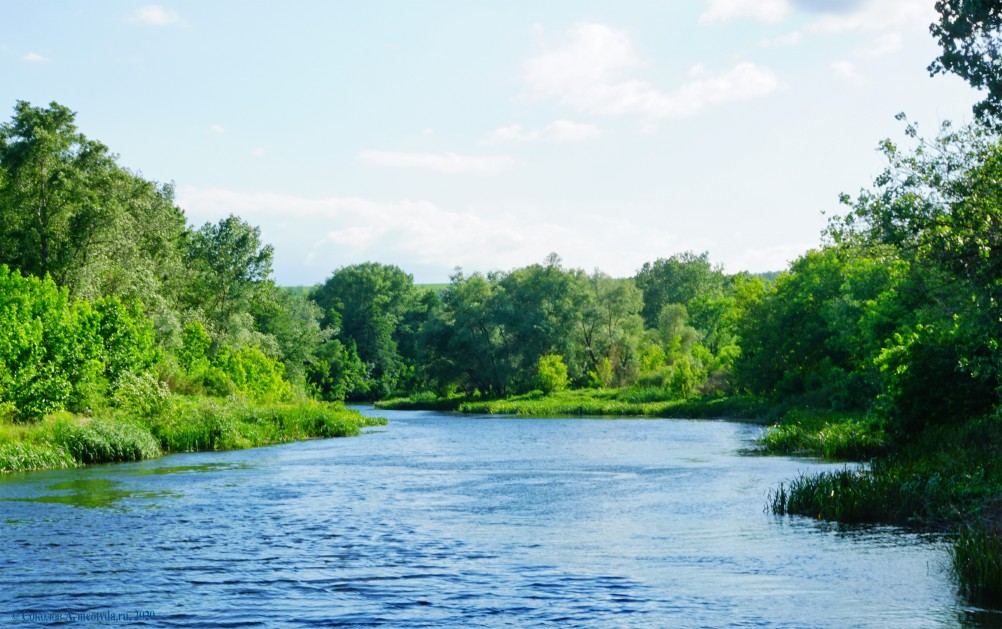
point(313, 236)
point(559, 131)
point(217, 129)
point(587, 73)
point(882, 45)
point(258, 152)
point(762, 10)
point(877, 15)
point(790, 39)
point(155, 15)
point(34, 57)
point(447, 163)
point(847, 71)
point(775, 258)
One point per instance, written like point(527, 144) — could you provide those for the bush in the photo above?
point(23, 456)
point(106, 441)
point(551, 373)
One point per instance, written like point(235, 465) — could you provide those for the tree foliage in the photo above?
point(968, 32)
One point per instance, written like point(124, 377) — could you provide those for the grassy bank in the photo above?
point(825, 434)
point(948, 478)
point(631, 402)
point(183, 424)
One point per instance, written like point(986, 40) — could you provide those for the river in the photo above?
point(445, 521)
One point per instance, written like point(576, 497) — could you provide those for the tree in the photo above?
point(54, 180)
point(465, 342)
point(294, 322)
point(677, 280)
point(367, 303)
point(939, 209)
point(609, 329)
point(229, 269)
point(968, 31)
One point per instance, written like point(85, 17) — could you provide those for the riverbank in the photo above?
point(947, 478)
point(792, 430)
point(181, 424)
point(630, 402)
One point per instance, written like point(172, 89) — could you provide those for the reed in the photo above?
point(24, 456)
point(977, 564)
point(106, 440)
point(835, 439)
point(846, 495)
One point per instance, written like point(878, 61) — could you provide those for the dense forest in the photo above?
point(113, 305)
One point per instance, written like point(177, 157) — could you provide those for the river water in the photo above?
point(445, 521)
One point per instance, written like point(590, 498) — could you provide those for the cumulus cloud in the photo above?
point(155, 15)
point(762, 10)
point(828, 6)
point(589, 73)
point(877, 15)
point(314, 236)
point(446, 163)
point(34, 57)
point(217, 129)
point(882, 45)
point(790, 39)
point(559, 131)
point(847, 71)
point(258, 152)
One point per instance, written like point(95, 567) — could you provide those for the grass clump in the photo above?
point(977, 564)
point(199, 424)
point(106, 440)
point(184, 424)
point(835, 437)
point(24, 456)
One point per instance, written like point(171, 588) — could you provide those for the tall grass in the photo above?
point(846, 495)
point(630, 402)
point(203, 424)
point(24, 456)
point(831, 436)
point(106, 440)
point(185, 425)
point(977, 565)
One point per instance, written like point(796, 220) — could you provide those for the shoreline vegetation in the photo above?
point(184, 424)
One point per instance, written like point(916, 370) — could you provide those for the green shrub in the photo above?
point(831, 436)
point(23, 456)
point(551, 373)
point(106, 441)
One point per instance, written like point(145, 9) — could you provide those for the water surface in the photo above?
point(439, 520)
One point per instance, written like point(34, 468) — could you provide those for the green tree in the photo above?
point(609, 329)
point(367, 303)
point(937, 207)
point(229, 267)
point(968, 31)
point(50, 204)
point(677, 280)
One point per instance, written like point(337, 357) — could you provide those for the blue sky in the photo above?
point(486, 135)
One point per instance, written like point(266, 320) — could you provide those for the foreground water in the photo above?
point(438, 520)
